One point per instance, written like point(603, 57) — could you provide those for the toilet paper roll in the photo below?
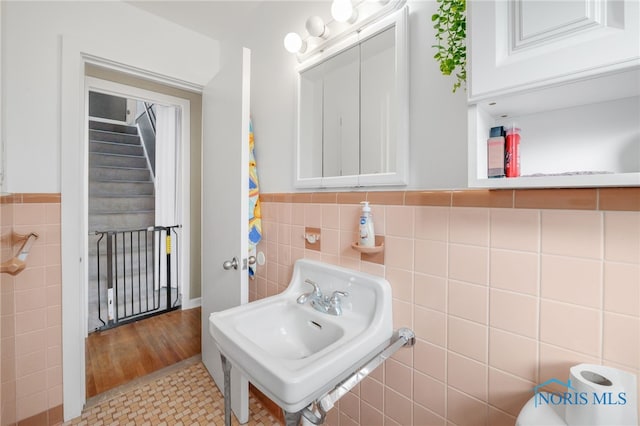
point(603, 396)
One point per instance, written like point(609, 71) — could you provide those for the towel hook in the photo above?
point(17, 263)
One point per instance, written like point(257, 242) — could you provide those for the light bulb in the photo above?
point(342, 10)
point(316, 27)
point(293, 43)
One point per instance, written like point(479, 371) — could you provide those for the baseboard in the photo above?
point(193, 303)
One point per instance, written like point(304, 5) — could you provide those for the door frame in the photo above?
point(72, 137)
point(93, 84)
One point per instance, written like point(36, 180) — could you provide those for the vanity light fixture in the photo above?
point(316, 27)
point(343, 11)
point(294, 43)
point(347, 18)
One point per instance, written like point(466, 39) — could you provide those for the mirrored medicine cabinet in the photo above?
point(353, 109)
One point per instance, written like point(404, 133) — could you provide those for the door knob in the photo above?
point(228, 264)
point(252, 260)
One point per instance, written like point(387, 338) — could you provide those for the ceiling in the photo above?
point(212, 18)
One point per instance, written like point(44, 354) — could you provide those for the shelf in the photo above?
point(569, 137)
point(367, 250)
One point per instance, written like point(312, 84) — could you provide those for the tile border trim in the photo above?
point(31, 198)
point(610, 199)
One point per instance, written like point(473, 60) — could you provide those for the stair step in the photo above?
point(122, 203)
point(120, 221)
point(119, 174)
point(101, 135)
point(117, 160)
point(101, 188)
point(115, 148)
point(113, 127)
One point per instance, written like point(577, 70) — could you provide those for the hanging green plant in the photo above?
point(450, 24)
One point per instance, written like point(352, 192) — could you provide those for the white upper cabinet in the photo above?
point(567, 73)
point(522, 44)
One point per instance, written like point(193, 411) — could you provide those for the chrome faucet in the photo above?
point(328, 305)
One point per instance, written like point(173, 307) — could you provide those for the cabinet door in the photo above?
point(521, 44)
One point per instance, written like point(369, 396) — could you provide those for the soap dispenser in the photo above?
point(367, 234)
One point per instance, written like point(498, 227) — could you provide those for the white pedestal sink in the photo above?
point(295, 354)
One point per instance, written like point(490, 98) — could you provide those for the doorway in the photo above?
point(137, 209)
point(134, 235)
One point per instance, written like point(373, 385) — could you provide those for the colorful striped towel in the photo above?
point(255, 218)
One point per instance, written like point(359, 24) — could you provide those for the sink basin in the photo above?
point(295, 354)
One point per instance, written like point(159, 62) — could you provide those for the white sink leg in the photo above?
point(226, 367)
point(292, 419)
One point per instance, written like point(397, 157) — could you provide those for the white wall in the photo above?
point(31, 35)
point(438, 132)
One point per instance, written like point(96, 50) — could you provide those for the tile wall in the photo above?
point(31, 314)
point(501, 298)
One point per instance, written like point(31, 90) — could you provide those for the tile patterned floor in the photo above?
point(182, 395)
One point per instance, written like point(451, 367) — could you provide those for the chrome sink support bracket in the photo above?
point(226, 367)
point(317, 411)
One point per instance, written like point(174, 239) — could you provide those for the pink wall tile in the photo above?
point(515, 229)
point(432, 223)
point(431, 257)
point(349, 215)
point(283, 212)
point(507, 392)
point(297, 214)
point(350, 405)
point(463, 410)
point(370, 415)
point(468, 338)
point(514, 312)
point(372, 392)
point(515, 271)
point(330, 243)
point(467, 375)
point(397, 407)
point(622, 340)
point(514, 354)
point(571, 327)
point(401, 283)
point(572, 233)
point(479, 350)
point(622, 236)
point(313, 215)
point(398, 377)
point(430, 291)
point(622, 288)
point(468, 301)
point(29, 214)
point(423, 416)
point(331, 216)
point(430, 325)
point(500, 418)
point(469, 226)
point(399, 221)
point(469, 263)
point(398, 252)
point(429, 393)
point(572, 280)
point(430, 359)
point(31, 363)
point(31, 405)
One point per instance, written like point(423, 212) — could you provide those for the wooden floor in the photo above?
point(119, 355)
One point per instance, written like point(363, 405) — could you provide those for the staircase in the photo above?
point(121, 189)
point(121, 197)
